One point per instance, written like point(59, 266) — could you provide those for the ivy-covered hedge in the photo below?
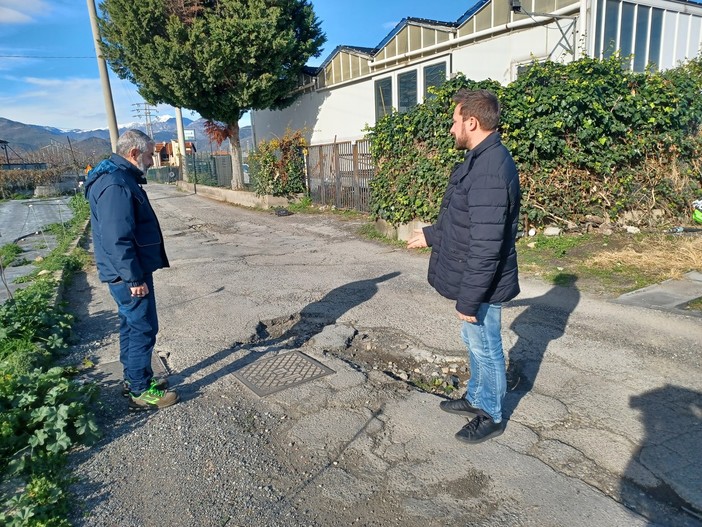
point(278, 166)
point(589, 138)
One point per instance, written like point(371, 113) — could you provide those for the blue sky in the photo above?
point(49, 75)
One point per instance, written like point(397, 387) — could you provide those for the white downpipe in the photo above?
point(581, 44)
point(473, 36)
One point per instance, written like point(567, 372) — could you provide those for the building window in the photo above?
point(383, 98)
point(641, 44)
point(434, 75)
point(626, 31)
point(654, 45)
point(407, 90)
point(609, 46)
point(636, 29)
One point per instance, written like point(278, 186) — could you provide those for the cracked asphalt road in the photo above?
point(603, 428)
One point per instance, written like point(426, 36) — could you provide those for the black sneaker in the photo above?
point(460, 407)
point(158, 383)
point(479, 429)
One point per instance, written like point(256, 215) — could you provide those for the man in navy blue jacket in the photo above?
point(128, 248)
point(473, 258)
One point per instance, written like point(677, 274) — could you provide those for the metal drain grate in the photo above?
point(266, 376)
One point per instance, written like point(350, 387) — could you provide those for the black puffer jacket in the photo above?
point(473, 257)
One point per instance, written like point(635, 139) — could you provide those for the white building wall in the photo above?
point(343, 112)
point(498, 58)
point(339, 113)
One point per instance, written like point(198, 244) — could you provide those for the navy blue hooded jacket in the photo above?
point(473, 258)
point(127, 238)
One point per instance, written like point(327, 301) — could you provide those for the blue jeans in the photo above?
point(138, 326)
point(488, 382)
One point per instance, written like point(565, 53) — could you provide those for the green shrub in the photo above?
point(43, 413)
point(413, 154)
point(278, 166)
point(44, 503)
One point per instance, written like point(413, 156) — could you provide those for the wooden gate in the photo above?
point(338, 174)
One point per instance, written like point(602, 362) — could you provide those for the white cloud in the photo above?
point(21, 11)
point(13, 63)
point(71, 103)
point(390, 25)
point(65, 103)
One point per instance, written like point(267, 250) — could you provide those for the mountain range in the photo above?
point(24, 138)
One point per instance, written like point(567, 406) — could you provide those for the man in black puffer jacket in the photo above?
point(473, 259)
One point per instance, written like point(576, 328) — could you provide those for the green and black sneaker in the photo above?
point(152, 399)
point(158, 383)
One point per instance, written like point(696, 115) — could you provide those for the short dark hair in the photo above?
point(481, 104)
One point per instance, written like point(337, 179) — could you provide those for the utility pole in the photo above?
point(145, 110)
point(75, 163)
point(3, 145)
point(104, 77)
point(181, 143)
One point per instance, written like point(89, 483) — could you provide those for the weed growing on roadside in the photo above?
point(9, 253)
point(369, 231)
point(555, 246)
point(304, 204)
point(30, 326)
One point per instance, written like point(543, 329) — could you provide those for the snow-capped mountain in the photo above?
point(28, 137)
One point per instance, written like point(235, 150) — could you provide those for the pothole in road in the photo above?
point(384, 349)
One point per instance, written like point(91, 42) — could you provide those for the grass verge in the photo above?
point(9, 253)
point(44, 413)
point(608, 265)
point(695, 305)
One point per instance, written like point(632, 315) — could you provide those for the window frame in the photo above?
point(387, 107)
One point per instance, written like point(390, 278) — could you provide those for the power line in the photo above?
point(145, 110)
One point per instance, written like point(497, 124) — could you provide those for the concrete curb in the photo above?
point(244, 198)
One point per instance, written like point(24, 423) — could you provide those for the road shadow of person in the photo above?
point(89, 333)
point(544, 320)
point(89, 328)
point(285, 333)
point(663, 480)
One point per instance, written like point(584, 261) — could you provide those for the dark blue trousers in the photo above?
point(138, 326)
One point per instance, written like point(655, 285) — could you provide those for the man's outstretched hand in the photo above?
point(417, 240)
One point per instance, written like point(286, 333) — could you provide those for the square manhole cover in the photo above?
point(110, 373)
point(266, 376)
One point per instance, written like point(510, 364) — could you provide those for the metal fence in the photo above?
point(211, 170)
point(164, 174)
point(339, 173)
point(203, 169)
